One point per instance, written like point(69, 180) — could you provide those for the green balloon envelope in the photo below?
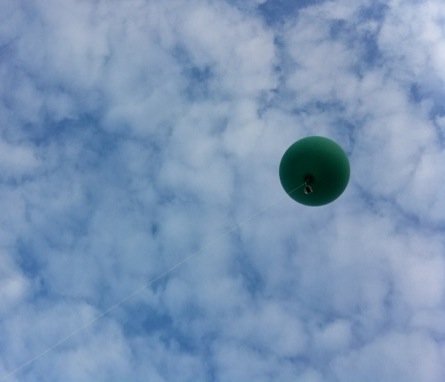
point(314, 171)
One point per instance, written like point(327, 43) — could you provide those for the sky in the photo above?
point(144, 233)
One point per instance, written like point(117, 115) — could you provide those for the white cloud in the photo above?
point(411, 357)
point(335, 338)
point(14, 287)
point(141, 133)
point(413, 33)
point(422, 281)
point(17, 160)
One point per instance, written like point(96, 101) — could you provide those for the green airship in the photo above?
point(314, 171)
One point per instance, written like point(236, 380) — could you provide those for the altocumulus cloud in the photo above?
point(135, 134)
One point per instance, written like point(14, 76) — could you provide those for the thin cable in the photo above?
point(145, 286)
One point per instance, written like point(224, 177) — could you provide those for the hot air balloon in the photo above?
point(314, 171)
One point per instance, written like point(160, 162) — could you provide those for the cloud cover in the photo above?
point(134, 134)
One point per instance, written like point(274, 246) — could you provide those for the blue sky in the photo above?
point(144, 233)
